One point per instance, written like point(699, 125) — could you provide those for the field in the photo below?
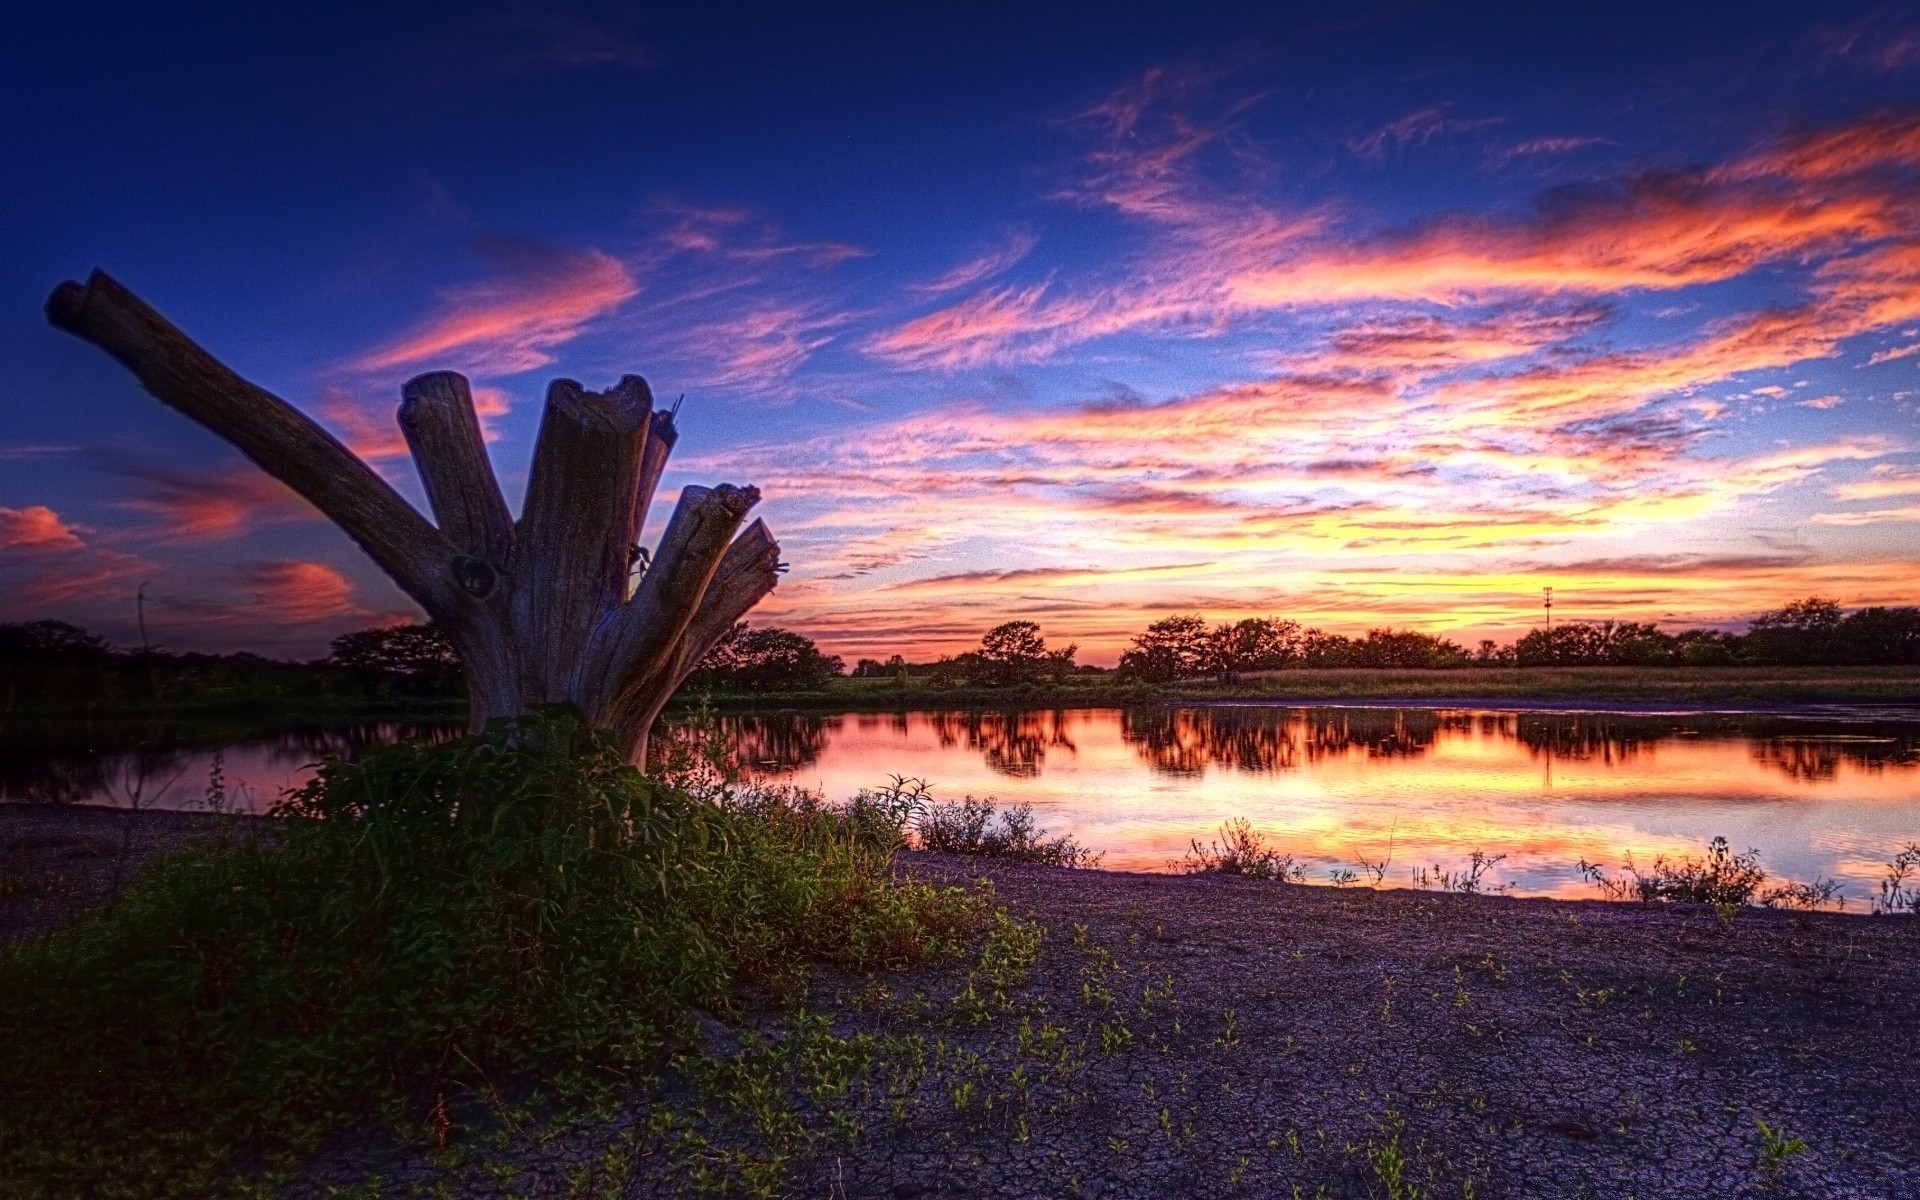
point(1634, 686)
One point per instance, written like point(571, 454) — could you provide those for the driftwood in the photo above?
point(544, 610)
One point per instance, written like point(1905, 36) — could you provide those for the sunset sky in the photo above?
point(1357, 315)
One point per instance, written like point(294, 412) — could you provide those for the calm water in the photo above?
point(1826, 795)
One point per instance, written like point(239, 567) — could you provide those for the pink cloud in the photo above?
point(540, 297)
point(36, 528)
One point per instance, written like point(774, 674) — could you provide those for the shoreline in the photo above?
point(66, 857)
point(1230, 1036)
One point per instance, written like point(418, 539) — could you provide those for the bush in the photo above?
point(1241, 850)
point(422, 925)
point(1721, 878)
point(969, 827)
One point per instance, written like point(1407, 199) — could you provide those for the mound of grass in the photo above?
point(426, 924)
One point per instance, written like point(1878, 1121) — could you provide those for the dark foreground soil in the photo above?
point(57, 860)
point(1229, 1037)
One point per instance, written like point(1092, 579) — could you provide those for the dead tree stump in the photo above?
point(544, 610)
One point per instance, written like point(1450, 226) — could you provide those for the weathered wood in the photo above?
point(285, 442)
point(636, 639)
point(538, 610)
point(747, 573)
point(661, 436)
point(579, 515)
point(443, 431)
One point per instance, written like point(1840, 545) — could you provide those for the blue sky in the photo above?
point(1085, 314)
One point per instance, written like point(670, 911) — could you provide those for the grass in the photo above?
point(1626, 685)
point(1898, 891)
point(414, 929)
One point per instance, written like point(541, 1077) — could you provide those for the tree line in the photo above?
point(55, 664)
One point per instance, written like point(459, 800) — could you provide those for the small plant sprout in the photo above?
point(1468, 881)
point(1777, 1149)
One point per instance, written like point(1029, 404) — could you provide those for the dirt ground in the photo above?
point(1231, 1037)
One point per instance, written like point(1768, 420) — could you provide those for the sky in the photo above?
point(1358, 315)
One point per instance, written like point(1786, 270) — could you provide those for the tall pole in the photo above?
point(1546, 601)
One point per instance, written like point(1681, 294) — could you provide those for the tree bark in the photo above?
point(541, 611)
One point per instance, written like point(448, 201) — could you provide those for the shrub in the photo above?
point(1722, 877)
point(1897, 893)
point(976, 828)
point(423, 924)
point(1241, 850)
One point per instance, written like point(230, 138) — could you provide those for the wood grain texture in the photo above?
point(576, 527)
point(282, 440)
point(443, 431)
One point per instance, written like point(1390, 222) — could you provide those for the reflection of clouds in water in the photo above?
point(1330, 785)
point(1429, 786)
point(1189, 741)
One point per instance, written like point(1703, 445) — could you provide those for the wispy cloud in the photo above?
point(982, 266)
point(539, 297)
point(1417, 128)
point(202, 504)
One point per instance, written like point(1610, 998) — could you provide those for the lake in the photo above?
point(1820, 793)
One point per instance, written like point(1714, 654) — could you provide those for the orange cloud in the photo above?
point(1215, 260)
point(299, 592)
point(540, 298)
point(35, 528)
point(207, 504)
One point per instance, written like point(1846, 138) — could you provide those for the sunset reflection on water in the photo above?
point(1816, 797)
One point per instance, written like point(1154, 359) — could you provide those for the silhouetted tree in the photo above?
point(419, 657)
point(1171, 648)
point(1014, 653)
point(767, 660)
point(1254, 644)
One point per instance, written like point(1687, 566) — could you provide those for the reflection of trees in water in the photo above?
point(1809, 750)
point(1185, 741)
point(1816, 759)
point(1013, 743)
point(1581, 737)
point(772, 743)
point(127, 761)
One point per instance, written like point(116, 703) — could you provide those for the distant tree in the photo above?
point(417, 656)
point(1705, 647)
point(1321, 649)
point(1492, 654)
point(1406, 648)
point(50, 640)
point(1254, 644)
point(1171, 648)
point(1014, 653)
point(767, 660)
point(1804, 632)
point(1881, 635)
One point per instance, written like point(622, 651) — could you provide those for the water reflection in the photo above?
point(1187, 742)
point(1819, 796)
point(164, 767)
